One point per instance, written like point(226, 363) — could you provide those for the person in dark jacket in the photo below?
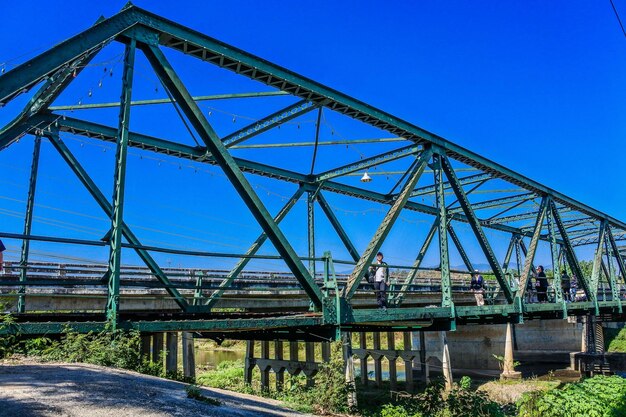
point(2, 249)
point(566, 285)
point(542, 285)
point(477, 285)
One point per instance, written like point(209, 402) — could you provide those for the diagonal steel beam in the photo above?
point(93, 189)
point(369, 162)
point(229, 166)
point(252, 250)
point(47, 94)
point(571, 255)
point(328, 211)
point(476, 227)
point(383, 229)
point(430, 189)
point(460, 249)
point(620, 261)
point(418, 261)
point(269, 122)
point(509, 252)
point(532, 248)
point(597, 259)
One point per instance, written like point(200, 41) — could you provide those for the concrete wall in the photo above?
point(472, 346)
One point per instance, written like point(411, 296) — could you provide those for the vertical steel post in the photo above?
point(611, 270)
point(556, 279)
point(311, 230)
point(597, 259)
point(117, 216)
point(509, 252)
point(28, 223)
point(444, 259)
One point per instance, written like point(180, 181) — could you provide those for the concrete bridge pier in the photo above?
point(157, 347)
point(446, 366)
point(508, 368)
point(146, 338)
point(171, 357)
point(189, 355)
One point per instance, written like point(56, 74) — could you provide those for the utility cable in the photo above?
point(618, 19)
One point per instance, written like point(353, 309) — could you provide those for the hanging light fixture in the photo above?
point(366, 178)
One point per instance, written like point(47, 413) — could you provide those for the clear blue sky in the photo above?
point(537, 86)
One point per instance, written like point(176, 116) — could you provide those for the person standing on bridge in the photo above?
point(380, 272)
point(477, 286)
point(566, 286)
point(542, 285)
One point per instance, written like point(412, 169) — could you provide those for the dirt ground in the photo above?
point(31, 389)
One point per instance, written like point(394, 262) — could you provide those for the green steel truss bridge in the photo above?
point(529, 214)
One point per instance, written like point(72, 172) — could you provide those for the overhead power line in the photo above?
point(618, 19)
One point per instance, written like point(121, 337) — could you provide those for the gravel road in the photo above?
point(29, 389)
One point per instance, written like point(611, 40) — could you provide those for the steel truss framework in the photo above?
point(143, 32)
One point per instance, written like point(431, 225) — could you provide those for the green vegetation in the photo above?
point(599, 396)
point(194, 392)
point(615, 340)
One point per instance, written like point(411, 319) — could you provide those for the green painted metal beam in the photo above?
point(571, 255)
point(28, 222)
point(597, 259)
point(269, 122)
point(119, 185)
point(442, 217)
point(610, 254)
point(93, 189)
point(620, 260)
point(383, 229)
point(509, 252)
point(554, 251)
point(477, 228)
point(532, 248)
point(369, 162)
point(334, 222)
point(214, 145)
point(25, 76)
point(459, 247)
point(168, 101)
point(310, 210)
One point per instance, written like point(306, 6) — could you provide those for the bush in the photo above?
point(599, 396)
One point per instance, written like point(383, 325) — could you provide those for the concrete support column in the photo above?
point(346, 339)
point(189, 356)
point(508, 369)
point(325, 352)
point(408, 362)
point(171, 358)
point(364, 370)
point(446, 366)
point(309, 351)
point(423, 364)
point(393, 373)
point(280, 372)
point(378, 366)
point(145, 345)
point(157, 347)
point(265, 371)
point(248, 364)
point(293, 357)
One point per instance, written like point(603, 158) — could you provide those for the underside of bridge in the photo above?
point(462, 190)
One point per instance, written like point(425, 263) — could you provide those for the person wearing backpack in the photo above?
point(380, 277)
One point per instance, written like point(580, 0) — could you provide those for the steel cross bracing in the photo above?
point(149, 33)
